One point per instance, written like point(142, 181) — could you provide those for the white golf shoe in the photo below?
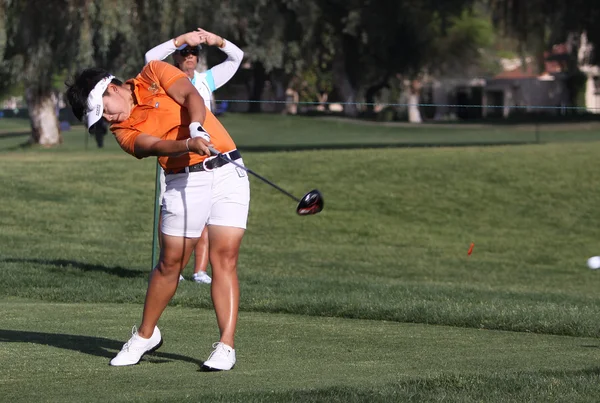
point(133, 351)
point(221, 359)
point(202, 278)
point(181, 278)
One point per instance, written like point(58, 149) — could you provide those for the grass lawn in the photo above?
point(59, 352)
point(275, 133)
point(373, 299)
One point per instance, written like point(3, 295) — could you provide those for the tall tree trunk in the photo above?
point(370, 95)
point(258, 85)
point(279, 83)
point(344, 86)
point(43, 117)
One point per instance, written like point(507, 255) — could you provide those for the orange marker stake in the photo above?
point(470, 249)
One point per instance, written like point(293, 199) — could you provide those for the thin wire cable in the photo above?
point(583, 108)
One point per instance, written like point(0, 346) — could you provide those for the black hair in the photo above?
point(80, 86)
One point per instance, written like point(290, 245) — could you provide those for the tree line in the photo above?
point(353, 47)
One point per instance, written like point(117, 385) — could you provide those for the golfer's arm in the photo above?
point(185, 94)
point(149, 146)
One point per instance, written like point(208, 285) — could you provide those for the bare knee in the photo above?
point(224, 259)
point(224, 248)
point(168, 267)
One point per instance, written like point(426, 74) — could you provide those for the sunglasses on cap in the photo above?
point(185, 52)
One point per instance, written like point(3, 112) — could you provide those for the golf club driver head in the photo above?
point(311, 203)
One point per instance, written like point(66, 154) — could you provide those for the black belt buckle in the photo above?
point(210, 163)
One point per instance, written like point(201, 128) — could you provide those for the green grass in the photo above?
point(66, 348)
point(373, 299)
point(13, 125)
point(296, 133)
point(268, 132)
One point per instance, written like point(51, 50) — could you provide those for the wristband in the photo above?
point(187, 144)
point(196, 130)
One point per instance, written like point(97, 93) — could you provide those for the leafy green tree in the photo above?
point(276, 37)
point(33, 42)
point(374, 41)
point(462, 45)
point(42, 39)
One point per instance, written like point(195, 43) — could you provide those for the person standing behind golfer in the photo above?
point(185, 49)
point(160, 113)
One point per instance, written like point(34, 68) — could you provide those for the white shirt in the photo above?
point(213, 78)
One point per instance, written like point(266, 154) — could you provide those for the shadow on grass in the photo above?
point(539, 116)
point(62, 263)
point(362, 146)
point(6, 135)
point(16, 147)
point(97, 346)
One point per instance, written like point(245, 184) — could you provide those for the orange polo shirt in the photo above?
point(157, 114)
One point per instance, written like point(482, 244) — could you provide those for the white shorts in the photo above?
point(193, 200)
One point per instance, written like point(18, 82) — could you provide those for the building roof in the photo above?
point(554, 63)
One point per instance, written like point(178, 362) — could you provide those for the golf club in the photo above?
point(310, 203)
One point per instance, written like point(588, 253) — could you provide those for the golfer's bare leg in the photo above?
point(174, 255)
point(201, 252)
point(225, 290)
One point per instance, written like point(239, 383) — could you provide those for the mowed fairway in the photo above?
point(374, 299)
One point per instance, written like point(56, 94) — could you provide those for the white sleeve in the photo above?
point(223, 72)
point(161, 51)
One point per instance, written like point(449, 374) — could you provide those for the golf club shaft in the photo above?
point(268, 182)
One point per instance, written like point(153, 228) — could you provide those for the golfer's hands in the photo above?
point(199, 146)
point(209, 38)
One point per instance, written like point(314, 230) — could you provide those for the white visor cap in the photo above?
point(95, 106)
point(185, 45)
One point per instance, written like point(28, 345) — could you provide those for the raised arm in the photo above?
point(162, 51)
point(222, 72)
